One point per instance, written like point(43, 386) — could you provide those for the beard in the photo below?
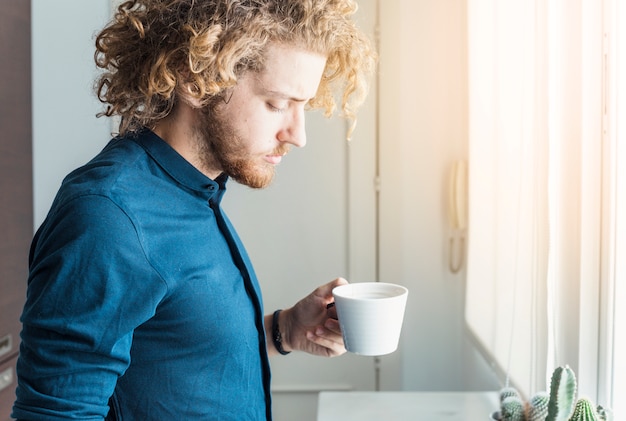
point(220, 146)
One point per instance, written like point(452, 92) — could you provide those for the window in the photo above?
point(613, 356)
point(546, 239)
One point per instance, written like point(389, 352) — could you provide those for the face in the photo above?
point(250, 132)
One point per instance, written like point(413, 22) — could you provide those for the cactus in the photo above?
point(605, 414)
point(513, 409)
point(562, 394)
point(559, 405)
point(584, 411)
point(505, 392)
point(538, 407)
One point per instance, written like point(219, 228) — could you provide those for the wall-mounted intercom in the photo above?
point(457, 214)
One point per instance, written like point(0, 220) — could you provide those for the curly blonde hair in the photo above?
point(152, 46)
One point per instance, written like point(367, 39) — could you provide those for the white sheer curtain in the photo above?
point(612, 384)
point(535, 271)
point(508, 207)
point(576, 95)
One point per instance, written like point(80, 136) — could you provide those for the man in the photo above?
point(142, 303)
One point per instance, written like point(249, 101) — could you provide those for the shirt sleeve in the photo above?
point(90, 286)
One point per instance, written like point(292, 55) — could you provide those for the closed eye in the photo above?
point(275, 109)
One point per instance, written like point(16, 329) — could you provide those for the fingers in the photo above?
point(326, 291)
point(328, 341)
point(333, 326)
point(330, 307)
point(335, 283)
point(338, 281)
point(311, 325)
point(329, 336)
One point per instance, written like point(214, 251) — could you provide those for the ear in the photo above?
point(186, 91)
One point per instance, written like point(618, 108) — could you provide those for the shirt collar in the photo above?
point(179, 168)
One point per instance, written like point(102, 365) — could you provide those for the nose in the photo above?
point(293, 130)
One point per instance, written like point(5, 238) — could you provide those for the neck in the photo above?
point(178, 130)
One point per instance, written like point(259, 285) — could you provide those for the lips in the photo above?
point(277, 155)
point(274, 159)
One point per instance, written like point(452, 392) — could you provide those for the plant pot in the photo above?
point(495, 416)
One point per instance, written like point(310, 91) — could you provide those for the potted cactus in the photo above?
point(560, 405)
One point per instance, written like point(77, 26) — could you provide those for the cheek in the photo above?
point(253, 123)
point(260, 130)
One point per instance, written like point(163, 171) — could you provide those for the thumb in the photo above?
point(326, 291)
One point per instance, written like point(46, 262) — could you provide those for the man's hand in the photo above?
point(311, 326)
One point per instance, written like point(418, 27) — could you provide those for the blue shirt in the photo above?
point(141, 297)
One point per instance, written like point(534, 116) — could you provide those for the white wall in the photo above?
point(423, 129)
point(66, 132)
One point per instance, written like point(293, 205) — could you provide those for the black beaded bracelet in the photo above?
point(277, 338)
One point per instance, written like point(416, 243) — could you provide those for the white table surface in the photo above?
point(406, 406)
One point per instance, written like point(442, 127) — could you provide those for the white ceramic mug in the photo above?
point(370, 316)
